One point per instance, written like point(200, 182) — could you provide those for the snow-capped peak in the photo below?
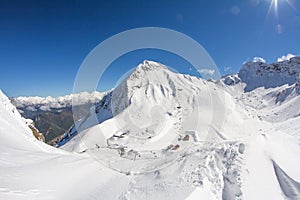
point(257, 74)
point(259, 59)
point(169, 133)
point(147, 76)
point(147, 65)
point(46, 103)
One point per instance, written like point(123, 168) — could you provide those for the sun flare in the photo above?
point(274, 4)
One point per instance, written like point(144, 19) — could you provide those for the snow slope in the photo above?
point(151, 111)
point(270, 92)
point(162, 135)
point(30, 169)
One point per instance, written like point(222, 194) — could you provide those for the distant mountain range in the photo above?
point(53, 116)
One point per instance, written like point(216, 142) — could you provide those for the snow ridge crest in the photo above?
point(259, 74)
point(148, 65)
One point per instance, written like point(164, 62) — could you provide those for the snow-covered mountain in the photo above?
point(164, 135)
point(48, 103)
point(270, 89)
point(259, 74)
point(30, 169)
point(53, 116)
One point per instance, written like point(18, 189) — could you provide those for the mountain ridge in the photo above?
point(53, 116)
point(260, 74)
point(168, 134)
point(150, 125)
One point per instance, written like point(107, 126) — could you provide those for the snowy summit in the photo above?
point(161, 135)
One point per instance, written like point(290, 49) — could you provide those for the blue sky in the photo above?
point(43, 43)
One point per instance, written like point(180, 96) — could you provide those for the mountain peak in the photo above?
point(148, 65)
point(259, 74)
point(145, 68)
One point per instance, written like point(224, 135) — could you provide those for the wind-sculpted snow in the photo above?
point(289, 187)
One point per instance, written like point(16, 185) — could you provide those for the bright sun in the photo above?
point(274, 6)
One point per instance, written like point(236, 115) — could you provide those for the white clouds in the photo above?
point(284, 58)
point(47, 103)
point(259, 59)
point(206, 71)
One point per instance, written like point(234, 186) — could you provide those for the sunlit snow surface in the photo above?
point(166, 136)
